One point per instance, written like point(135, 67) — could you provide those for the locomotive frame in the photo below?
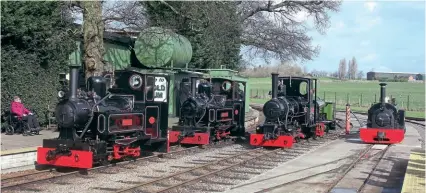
point(217, 123)
point(293, 113)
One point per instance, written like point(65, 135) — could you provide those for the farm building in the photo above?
point(394, 75)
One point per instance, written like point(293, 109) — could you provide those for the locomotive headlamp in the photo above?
point(135, 81)
point(61, 94)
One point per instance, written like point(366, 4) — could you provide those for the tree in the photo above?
point(36, 41)
point(342, 69)
point(349, 72)
point(354, 68)
point(360, 74)
point(93, 33)
point(335, 74)
point(211, 27)
point(93, 29)
point(272, 29)
point(267, 28)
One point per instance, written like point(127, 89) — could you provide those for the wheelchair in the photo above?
point(15, 125)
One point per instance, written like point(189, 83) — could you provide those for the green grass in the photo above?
point(360, 95)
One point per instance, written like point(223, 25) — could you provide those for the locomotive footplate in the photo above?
point(381, 136)
point(268, 138)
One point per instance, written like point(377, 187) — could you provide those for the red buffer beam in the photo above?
point(197, 139)
point(76, 159)
point(283, 141)
point(381, 136)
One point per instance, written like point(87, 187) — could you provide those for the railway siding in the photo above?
point(23, 159)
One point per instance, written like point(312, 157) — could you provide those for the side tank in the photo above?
point(156, 47)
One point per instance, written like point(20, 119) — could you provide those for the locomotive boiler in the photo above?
point(385, 124)
point(210, 113)
point(293, 113)
point(97, 126)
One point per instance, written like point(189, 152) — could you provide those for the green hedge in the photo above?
point(36, 43)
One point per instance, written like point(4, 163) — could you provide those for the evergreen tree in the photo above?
point(213, 29)
point(36, 39)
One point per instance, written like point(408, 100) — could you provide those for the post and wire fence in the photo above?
point(405, 101)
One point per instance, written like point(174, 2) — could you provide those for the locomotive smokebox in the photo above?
point(193, 85)
point(73, 81)
point(382, 93)
point(274, 85)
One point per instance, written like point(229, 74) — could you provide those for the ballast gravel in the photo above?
point(119, 177)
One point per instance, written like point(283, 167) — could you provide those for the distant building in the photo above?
point(394, 75)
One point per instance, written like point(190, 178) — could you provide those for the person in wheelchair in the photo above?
point(25, 115)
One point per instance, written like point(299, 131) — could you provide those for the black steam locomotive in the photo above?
point(99, 125)
point(213, 112)
point(385, 124)
point(293, 113)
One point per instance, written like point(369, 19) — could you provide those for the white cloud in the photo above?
point(365, 43)
point(366, 23)
point(369, 57)
point(370, 5)
point(373, 21)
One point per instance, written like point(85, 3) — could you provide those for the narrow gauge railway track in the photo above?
point(15, 181)
point(180, 181)
point(381, 154)
point(358, 160)
point(341, 171)
point(48, 174)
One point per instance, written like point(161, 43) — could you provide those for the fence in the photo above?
point(405, 100)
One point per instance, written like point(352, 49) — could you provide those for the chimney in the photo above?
point(382, 93)
point(73, 81)
point(274, 85)
point(193, 85)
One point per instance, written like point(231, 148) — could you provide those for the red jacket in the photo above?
point(19, 109)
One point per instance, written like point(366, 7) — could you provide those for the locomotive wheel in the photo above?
point(10, 130)
point(297, 139)
point(103, 162)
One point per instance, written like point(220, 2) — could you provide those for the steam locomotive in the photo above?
point(294, 113)
point(213, 112)
point(97, 126)
point(385, 124)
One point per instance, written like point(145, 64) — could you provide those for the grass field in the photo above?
point(410, 96)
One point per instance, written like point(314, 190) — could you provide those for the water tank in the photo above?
point(157, 47)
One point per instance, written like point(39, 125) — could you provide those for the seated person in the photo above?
point(24, 114)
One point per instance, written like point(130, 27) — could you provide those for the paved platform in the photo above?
point(17, 142)
point(321, 161)
point(414, 180)
point(316, 171)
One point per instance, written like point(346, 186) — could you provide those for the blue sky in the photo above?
point(381, 35)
